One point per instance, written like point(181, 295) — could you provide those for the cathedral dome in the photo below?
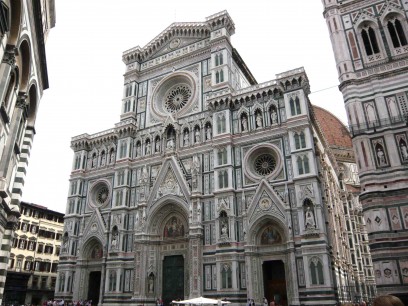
point(335, 132)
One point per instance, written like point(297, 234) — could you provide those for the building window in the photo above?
point(210, 277)
point(300, 141)
point(112, 281)
point(303, 164)
point(370, 41)
point(226, 277)
point(219, 76)
point(223, 179)
point(295, 106)
point(61, 282)
point(123, 149)
point(77, 162)
point(396, 33)
point(219, 59)
point(316, 271)
point(222, 156)
point(221, 124)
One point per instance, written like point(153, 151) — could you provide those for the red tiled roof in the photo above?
point(333, 129)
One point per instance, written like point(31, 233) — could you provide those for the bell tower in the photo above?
point(370, 46)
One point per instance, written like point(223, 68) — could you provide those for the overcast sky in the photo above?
point(85, 68)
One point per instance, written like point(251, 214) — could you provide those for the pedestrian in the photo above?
point(265, 302)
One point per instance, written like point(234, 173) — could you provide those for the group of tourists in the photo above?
point(63, 303)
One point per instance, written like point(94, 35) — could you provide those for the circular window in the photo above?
point(177, 97)
point(265, 164)
point(99, 194)
point(175, 94)
point(263, 161)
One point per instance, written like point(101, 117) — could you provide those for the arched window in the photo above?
point(221, 76)
point(397, 33)
point(370, 41)
point(303, 164)
point(226, 276)
point(61, 282)
point(222, 156)
point(316, 271)
point(221, 59)
point(221, 123)
point(302, 140)
point(217, 77)
point(223, 179)
point(295, 106)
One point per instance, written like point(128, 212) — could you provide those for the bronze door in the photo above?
point(173, 278)
point(94, 287)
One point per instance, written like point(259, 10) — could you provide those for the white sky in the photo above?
point(85, 68)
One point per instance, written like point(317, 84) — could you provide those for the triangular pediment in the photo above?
point(266, 201)
point(170, 181)
point(95, 226)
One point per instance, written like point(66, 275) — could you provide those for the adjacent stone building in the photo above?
point(32, 269)
point(24, 26)
point(212, 184)
point(370, 46)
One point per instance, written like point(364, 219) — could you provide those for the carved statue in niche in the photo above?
point(148, 148)
point(258, 119)
point(403, 149)
point(150, 283)
point(112, 157)
point(115, 240)
point(157, 146)
point(208, 132)
point(174, 228)
point(103, 159)
point(197, 135)
point(138, 149)
point(186, 138)
point(224, 229)
point(244, 123)
point(94, 161)
point(270, 235)
point(274, 116)
point(309, 219)
point(170, 142)
point(381, 156)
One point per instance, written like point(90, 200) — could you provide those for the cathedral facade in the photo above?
point(213, 185)
point(370, 45)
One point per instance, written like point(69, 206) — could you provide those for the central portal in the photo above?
point(173, 278)
point(275, 282)
point(94, 286)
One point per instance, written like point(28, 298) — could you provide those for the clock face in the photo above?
point(265, 203)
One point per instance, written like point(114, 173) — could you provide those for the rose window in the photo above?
point(265, 164)
point(177, 97)
point(99, 194)
point(102, 195)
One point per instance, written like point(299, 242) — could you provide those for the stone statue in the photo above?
point(114, 244)
point(404, 152)
point(197, 135)
point(186, 136)
point(151, 283)
point(244, 123)
point(138, 149)
point(309, 219)
point(170, 142)
point(112, 157)
point(208, 133)
point(157, 145)
point(94, 161)
point(103, 160)
point(148, 148)
point(274, 117)
point(224, 230)
point(195, 167)
point(381, 156)
point(258, 120)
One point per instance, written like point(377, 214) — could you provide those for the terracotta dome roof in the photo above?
point(333, 129)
